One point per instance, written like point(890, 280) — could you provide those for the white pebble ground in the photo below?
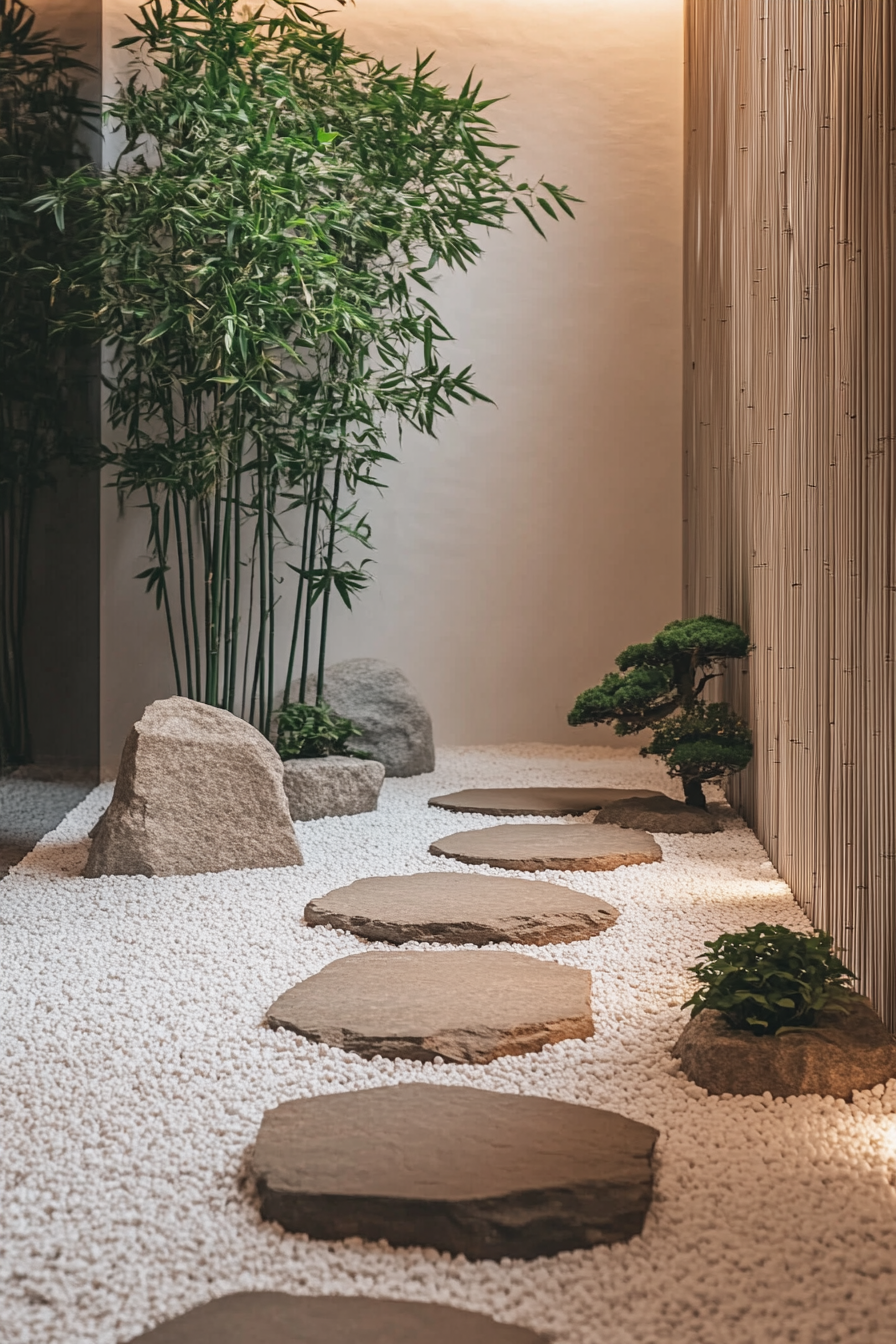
point(135, 1069)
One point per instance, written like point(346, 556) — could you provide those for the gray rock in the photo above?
point(661, 815)
point(468, 1007)
point(198, 791)
point(378, 697)
point(331, 786)
point(461, 908)
point(279, 1318)
point(534, 848)
point(474, 1172)
point(546, 802)
point(843, 1054)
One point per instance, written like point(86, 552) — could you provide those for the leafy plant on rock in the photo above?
point(264, 254)
point(666, 678)
point(41, 124)
point(769, 980)
point(314, 730)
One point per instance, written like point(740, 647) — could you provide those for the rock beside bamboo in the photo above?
point(198, 791)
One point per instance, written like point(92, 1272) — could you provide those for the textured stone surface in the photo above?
point(468, 1007)
point(378, 697)
point(484, 1174)
point(461, 908)
point(331, 786)
point(661, 814)
point(198, 791)
point(546, 802)
point(280, 1318)
point(534, 848)
point(843, 1054)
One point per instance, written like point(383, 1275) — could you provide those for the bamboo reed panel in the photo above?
point(789, 483)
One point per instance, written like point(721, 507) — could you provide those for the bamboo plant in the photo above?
point(42, 118)
point(263, 262)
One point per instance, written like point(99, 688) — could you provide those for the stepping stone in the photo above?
point(547, 802)
point(664, 815)
point(475, 1173)
point(468, 1007)
point(461, 908)
point(534, 848)
point(279, 1318)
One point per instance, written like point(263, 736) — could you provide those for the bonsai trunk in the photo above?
point(693, 793)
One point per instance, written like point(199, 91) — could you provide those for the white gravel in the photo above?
point(135, 1071)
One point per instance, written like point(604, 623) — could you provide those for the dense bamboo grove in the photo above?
point(790, 487)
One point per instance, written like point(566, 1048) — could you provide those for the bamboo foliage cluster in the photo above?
point(262, 264)
point(41, 121)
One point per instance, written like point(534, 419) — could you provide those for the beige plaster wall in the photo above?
point(517, 555)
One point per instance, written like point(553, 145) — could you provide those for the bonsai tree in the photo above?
point(41, 126)
point(263, 264)
point(661, 683)
point(769, 980)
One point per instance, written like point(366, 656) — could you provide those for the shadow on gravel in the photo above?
point(28, 809)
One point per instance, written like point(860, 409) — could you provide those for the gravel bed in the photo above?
point(28, 809)
point(136, 1069)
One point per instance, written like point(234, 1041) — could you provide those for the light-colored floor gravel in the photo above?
point(134, 1072)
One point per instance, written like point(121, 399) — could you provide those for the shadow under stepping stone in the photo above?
point(483, 1174)
point(280, 1318)
point(461, 908)
point(546, 802)
point(468, 1007)
point(534, 848)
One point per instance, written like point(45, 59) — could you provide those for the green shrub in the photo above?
point(314, 730)
point(769, 980)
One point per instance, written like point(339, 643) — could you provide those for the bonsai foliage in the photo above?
point(264, 254)
point(41, 115)
point(770, 980)
point(667, 677)
point(314, 730)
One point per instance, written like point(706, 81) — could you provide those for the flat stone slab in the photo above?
point(468, 1007)
point(483, 1174)
point(331, 786)
point(534, 848)
point(844, 1053)
point(280, 1318)
point(661, 814)
point(546, 802)
point(461, 908)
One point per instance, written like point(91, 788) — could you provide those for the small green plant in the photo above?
point(314, 730)
point(667, 677)
point(769, 980)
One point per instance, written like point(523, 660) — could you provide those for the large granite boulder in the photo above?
point(378, 697)
point(198, 791)
point(279, 1318)
point(331, 786)
point(845, 1053)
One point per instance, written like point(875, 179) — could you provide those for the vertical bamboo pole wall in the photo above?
point(790, 488)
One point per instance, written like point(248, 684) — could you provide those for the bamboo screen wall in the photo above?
point(790, 356)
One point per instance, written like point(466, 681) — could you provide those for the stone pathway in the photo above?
point(478, 1173)
point(280, 1318)
point(546, 802)
point(461, 908)
point(536, 848)
point(462, 1007)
